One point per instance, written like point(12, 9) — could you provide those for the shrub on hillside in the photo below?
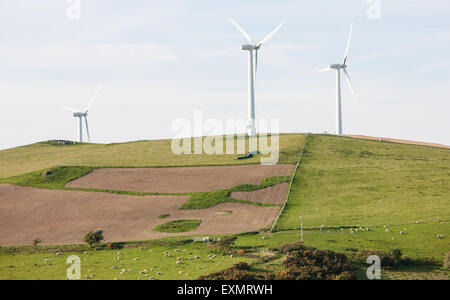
point(225, 243)
point(303, 263)
point(114, 246)
point(388, 260)
point(240, 271)
point(93, 237)
point(291, 247)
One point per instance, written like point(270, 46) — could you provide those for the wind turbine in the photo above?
point(343, 65)
point(252, 49)
point(82, 114)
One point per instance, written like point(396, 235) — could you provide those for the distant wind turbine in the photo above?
point(252, 49)
point(338, 68)
point(83, 114)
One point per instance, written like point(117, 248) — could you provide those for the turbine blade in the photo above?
point(69, 109)
point(242, 31)
point(324, 70)
point(87, 129)
point(271, 34)
point(92, 99)
point(348, 45)
point(347, 77)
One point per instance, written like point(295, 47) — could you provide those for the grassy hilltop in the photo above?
point(352, 194)
point(155, 153)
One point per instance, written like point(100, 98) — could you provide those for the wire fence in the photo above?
point(290, 183)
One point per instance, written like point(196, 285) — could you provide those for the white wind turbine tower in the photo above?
point(343, 65)
point(252, 49)
point(82, 114)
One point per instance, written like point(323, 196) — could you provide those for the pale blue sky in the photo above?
point(162, 60)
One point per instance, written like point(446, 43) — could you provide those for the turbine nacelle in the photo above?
point(79, 114)
point(249, 47)
point(337, 66)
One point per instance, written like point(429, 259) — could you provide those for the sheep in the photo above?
point(158, 273)
point(180, 272)
point(402, 232)
point(180, 258)
point(178, 262)
point(387, 230)
point(197, 257)
point(136, 259)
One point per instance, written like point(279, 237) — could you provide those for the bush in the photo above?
point(291, 247)
point(240, 271)
point(303, 263)
point(114, 246)
point(93, 237)
point(225, 243)
point(36, 242)
point(388, 260)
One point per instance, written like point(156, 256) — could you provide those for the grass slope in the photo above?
point(178, 226)
point(155, 153)
point(350, 182)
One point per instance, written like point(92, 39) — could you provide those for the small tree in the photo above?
point(36, 242)
point(93, 237)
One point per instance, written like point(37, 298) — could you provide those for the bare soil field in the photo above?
point(381, 139)
point(179, 179)
point(63, 217)
point(274, 194)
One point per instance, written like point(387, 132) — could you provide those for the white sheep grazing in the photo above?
point(136, 259)
point(401, 232)
point(178, 262)
point(387, 230)
point(197, 257)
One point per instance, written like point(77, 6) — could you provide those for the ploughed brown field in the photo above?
point(63, 217)
point(273, 195)
point(179, 179)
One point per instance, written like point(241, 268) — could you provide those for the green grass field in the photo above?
point(104, 264)
point(178, 226)
point(341, 183)
point(351, 182)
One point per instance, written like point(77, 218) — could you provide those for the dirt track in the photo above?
point(180, 179)
point(274, 194)
point(63, 217)
point(398, 141)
